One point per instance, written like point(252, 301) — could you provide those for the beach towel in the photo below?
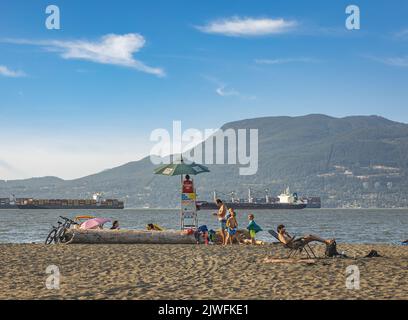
point(253, 226)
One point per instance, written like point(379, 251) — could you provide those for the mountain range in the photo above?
point(356, 161)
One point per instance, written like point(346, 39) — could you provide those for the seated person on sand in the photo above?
point(115, 225)
point(153, 227)
point(290, 241)
point(232, 226)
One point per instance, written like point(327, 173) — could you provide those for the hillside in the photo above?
point(351, 161)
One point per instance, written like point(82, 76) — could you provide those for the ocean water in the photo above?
point(346, 225)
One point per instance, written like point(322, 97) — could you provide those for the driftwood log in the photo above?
point(107, 236)
point(95, 236)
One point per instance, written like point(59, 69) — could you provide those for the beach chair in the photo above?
point(297, 248)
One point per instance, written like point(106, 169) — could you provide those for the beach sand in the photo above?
point(197, 272)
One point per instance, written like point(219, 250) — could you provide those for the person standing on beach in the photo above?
point(232, 227)
point(222, 212)
point(253, 228)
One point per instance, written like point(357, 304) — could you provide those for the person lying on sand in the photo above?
point(287, 239)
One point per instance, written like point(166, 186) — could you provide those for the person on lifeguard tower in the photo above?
point(188, 185)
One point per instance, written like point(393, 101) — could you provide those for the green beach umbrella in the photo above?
point(180, 168)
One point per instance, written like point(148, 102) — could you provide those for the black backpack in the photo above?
point(373, 254)
point(331, 250)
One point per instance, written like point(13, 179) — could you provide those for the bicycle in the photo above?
point(61, 231)
point(57, 234)
point(52, 235)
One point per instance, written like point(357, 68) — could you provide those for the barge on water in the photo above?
point(284, 201)
point(30, 203)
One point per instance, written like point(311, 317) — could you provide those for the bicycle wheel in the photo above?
point(66, 239)
point(60, 234)
point(51, 236)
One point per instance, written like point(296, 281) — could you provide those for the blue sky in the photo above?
point(86, 97)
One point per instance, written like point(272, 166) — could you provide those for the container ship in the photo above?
point(29, 203)
point(286, 200)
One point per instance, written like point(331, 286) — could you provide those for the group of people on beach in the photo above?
point(229, 225)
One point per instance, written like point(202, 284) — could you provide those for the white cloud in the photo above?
point(4, 71)
point(401, 35)
point(392, 61)
point(285, 60)
point(110, 49)
point(224, 92)
point(247, 27)
point(397, 61)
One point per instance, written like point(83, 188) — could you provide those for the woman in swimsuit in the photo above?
point(222, 211)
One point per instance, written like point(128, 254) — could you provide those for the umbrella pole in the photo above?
point(181, 203)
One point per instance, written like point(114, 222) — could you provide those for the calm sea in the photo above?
point(346, 225)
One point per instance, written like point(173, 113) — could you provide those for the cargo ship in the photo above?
point(97, 202)
point(286, 200)
point(6, 203)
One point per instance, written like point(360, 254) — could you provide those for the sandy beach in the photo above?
point(197, 272)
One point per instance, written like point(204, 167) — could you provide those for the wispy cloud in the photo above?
point(224, 90)
point(110, 49)
point(286, 60)
point(248, 27)
point(391, 61)
point(401, 35)
point(6, 72)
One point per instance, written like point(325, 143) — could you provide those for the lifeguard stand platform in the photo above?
point(188, 215)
